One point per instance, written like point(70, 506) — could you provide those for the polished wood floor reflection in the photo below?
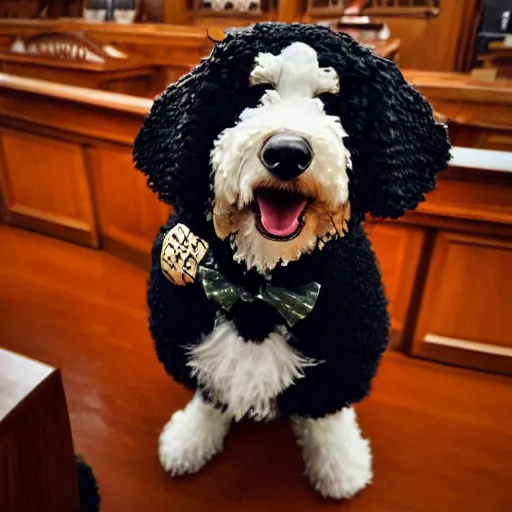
point(441, 437)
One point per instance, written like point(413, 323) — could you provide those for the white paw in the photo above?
point(192, 437)
point(338, 460)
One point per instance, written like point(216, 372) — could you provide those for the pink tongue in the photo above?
point(280, 211)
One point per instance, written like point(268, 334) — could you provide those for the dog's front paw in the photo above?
point(337, 459)
point(192, 437)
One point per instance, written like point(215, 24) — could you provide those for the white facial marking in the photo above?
point(293, 107)
point(295, 73)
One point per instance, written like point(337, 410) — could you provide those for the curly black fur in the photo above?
point(87, 487)
point(397, 149)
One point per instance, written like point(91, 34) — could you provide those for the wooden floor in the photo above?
point(442, 437)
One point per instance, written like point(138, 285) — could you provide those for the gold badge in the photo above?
point(181, 255)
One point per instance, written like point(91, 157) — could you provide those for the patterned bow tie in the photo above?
point(293, 305)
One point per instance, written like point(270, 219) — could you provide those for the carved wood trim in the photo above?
point(65, 46)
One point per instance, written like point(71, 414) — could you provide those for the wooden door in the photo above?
point(466, 311)
point(398, 249)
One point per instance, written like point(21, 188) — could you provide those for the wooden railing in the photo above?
point(66, 166)
point(66, 170)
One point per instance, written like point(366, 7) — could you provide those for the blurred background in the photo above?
point(77, 224)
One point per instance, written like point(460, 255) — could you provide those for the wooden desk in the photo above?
point(37, 464)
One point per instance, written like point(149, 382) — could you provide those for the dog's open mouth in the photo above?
point(280, 213)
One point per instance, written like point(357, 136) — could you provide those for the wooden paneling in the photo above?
point(45, 186)
point(176, 12)
point(77, 60)
point(37, 465)
point(98, 129)
point(79, 182)
point(499, 57)
point(154, 11)
point(467, 302)
point(499, 141)
point(441, 42)
point(428, 42)
point(175, 48)
point(19, 8)
point(129, 214)
point(136, 81)
point(398, 249)
point(479, 113)
point(435, 43)
point(289, 11)
point(485, 199)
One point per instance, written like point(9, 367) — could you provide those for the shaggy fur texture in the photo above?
point(246, 377)
point(87, 487)
point(396, 149)
point(192, 437)
point(292, 106)
point(338, 460)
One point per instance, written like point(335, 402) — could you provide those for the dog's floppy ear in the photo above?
point(173, 146)
point(402, 149)
point(158, 146)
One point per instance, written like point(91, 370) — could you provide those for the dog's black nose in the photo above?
point(286, 155)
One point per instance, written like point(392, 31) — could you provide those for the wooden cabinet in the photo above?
point(126, 231)
point(447, 270)
point(398, 248)
point(66, 166)
point(447, 267)
point(466, 308)
point(45, 186)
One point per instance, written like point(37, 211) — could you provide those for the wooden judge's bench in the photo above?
point(66, 167)
point(66, 170)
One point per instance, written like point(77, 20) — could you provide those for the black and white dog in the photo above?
point(272, 150)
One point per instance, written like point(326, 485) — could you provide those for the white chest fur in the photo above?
point(246, 376)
